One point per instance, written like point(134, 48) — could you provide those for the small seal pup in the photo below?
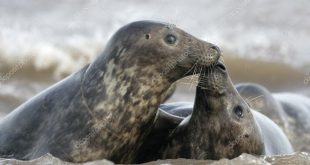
point(221, 125)
point(290, 111)
point(105, 110)
point(262, 100)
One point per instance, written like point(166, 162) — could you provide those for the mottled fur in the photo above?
point(106, 109)
point(212, 130)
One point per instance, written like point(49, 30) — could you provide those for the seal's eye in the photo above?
point(147, 36)
point(238, 110)
point(170, 39)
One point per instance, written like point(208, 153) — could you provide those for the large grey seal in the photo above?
point(221, 125)
point(105, 110)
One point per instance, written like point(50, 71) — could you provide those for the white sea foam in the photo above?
point(64, 36)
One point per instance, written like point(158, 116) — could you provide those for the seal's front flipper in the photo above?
point(166, 121)
point(180, 109)
point(162, 127)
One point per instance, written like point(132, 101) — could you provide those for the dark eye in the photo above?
point(170, 39)
point(238, 110)
point(147, 36)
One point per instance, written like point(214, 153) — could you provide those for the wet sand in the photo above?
point(244, 159)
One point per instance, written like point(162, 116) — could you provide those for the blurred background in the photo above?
point(43, 41)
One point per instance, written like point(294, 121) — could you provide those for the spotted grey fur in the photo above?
point(105, 110)
point(213, 130)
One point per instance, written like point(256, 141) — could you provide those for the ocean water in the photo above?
point(43, 41)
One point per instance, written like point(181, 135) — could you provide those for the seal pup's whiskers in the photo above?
point(257, 97)
point(247, 100)
point(191, 68)
point(202, 78)
point(251, 99)
point(192, 80)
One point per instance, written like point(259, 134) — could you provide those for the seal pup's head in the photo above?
point(224, 118)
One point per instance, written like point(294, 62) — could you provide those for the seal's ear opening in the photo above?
point(147, 36)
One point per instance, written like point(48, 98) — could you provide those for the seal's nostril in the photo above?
point(221, 66)
point(216, 49)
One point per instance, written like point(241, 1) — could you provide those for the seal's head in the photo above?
point(159, 50)
point(227, 121)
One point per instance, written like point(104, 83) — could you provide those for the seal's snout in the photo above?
point(215, 79)
point(210, 54)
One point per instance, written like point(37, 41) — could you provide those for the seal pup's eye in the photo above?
point(147, 36)
point(238, 110)
point(170, 39)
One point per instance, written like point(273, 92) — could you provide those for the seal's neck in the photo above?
point(205, 123)
point(123, 88)
point(122, 94)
